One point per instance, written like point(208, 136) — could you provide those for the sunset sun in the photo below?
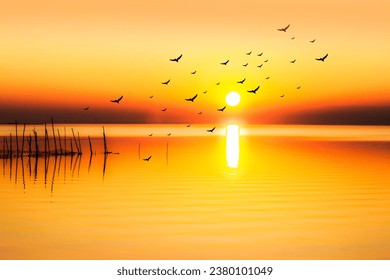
point(232, 98)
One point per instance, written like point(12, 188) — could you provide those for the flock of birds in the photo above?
point(223, 63)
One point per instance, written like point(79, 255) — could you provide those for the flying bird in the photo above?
point(218, 83)
point(266, 60)
point(151, 96)
point(200, 113)
point(193, 73)
point(293, 61)
point(245, 65)
point(226, 62)
point(188, 125)
point(260, 65)
point(85, 109)
point(312, 41)
point(254, 90)
point(211, 130)
point(284, 29)
point(205, 91)
point(167, 82)
point(242, 81)
point(221, 109)
point(164, 109)
point(282, 95)
point(298, 87)
point(292, 38)
point(260, 54)
point(117, 100)
point(148, 158)
point(151, 134)
point(176, 59)
point(192, 98)
point(322, 58)
point(169, 134)
point(249, 53)
point(267, 78)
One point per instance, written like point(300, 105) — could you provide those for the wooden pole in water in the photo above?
point(65, 139)
point(6, 144)
point(24, 130)
point(59, 141)
point(10, 144)
point(81, 151)
point(16, 138)
point(71, 146)
point(36, 142)
point(46, 140)
point(75, 142)
point(54, 137)
point(90, 145)
point(104, 141)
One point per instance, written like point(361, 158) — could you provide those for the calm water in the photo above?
point(286, 192)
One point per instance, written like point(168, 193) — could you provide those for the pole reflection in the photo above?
point(232, 145)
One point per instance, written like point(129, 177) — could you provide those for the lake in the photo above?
point(249, 192)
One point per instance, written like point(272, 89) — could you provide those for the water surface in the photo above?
point(296, 192)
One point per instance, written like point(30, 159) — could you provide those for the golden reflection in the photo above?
point(232, 145)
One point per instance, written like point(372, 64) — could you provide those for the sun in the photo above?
point(232, 98)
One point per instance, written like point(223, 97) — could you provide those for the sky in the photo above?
point(58, 57)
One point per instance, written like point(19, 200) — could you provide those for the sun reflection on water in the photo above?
point(232, 145)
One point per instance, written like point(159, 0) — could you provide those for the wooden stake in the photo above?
point(54, 136)
point(59, 141)
point(90, 145)
point(24, 130)
point(16, 138)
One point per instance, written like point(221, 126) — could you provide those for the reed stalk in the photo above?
point(54, 136)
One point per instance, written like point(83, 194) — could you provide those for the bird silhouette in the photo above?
point(261, 65)
point(188, 125)
point(266, 60)
point(267, 78)
point(151, 96)
point(293, 61)
point(164, 109)
point(254, 90)
point(151, 134)
point(312, 41)
point(205, 91)
point(218, 83)
point(322, 58)
point(148, 158)
point(282, 95)
point(245, 65)
point(260, 54)
point(169, 134)
point(193, 73)
point(292, 38)
point(211, 130)
point(284, 29)
point(298, 87)
point(192, 98)
point(117, 100)
point(221, 109)
point(200, 113)
point(226, 62)
point(249, 53)
point(167, 82)
point(176, 59)
point(85, 109)
point(242, 81)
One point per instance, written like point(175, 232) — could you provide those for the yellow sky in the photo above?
point(72, 54)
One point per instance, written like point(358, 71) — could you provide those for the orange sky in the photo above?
point(58, 57)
